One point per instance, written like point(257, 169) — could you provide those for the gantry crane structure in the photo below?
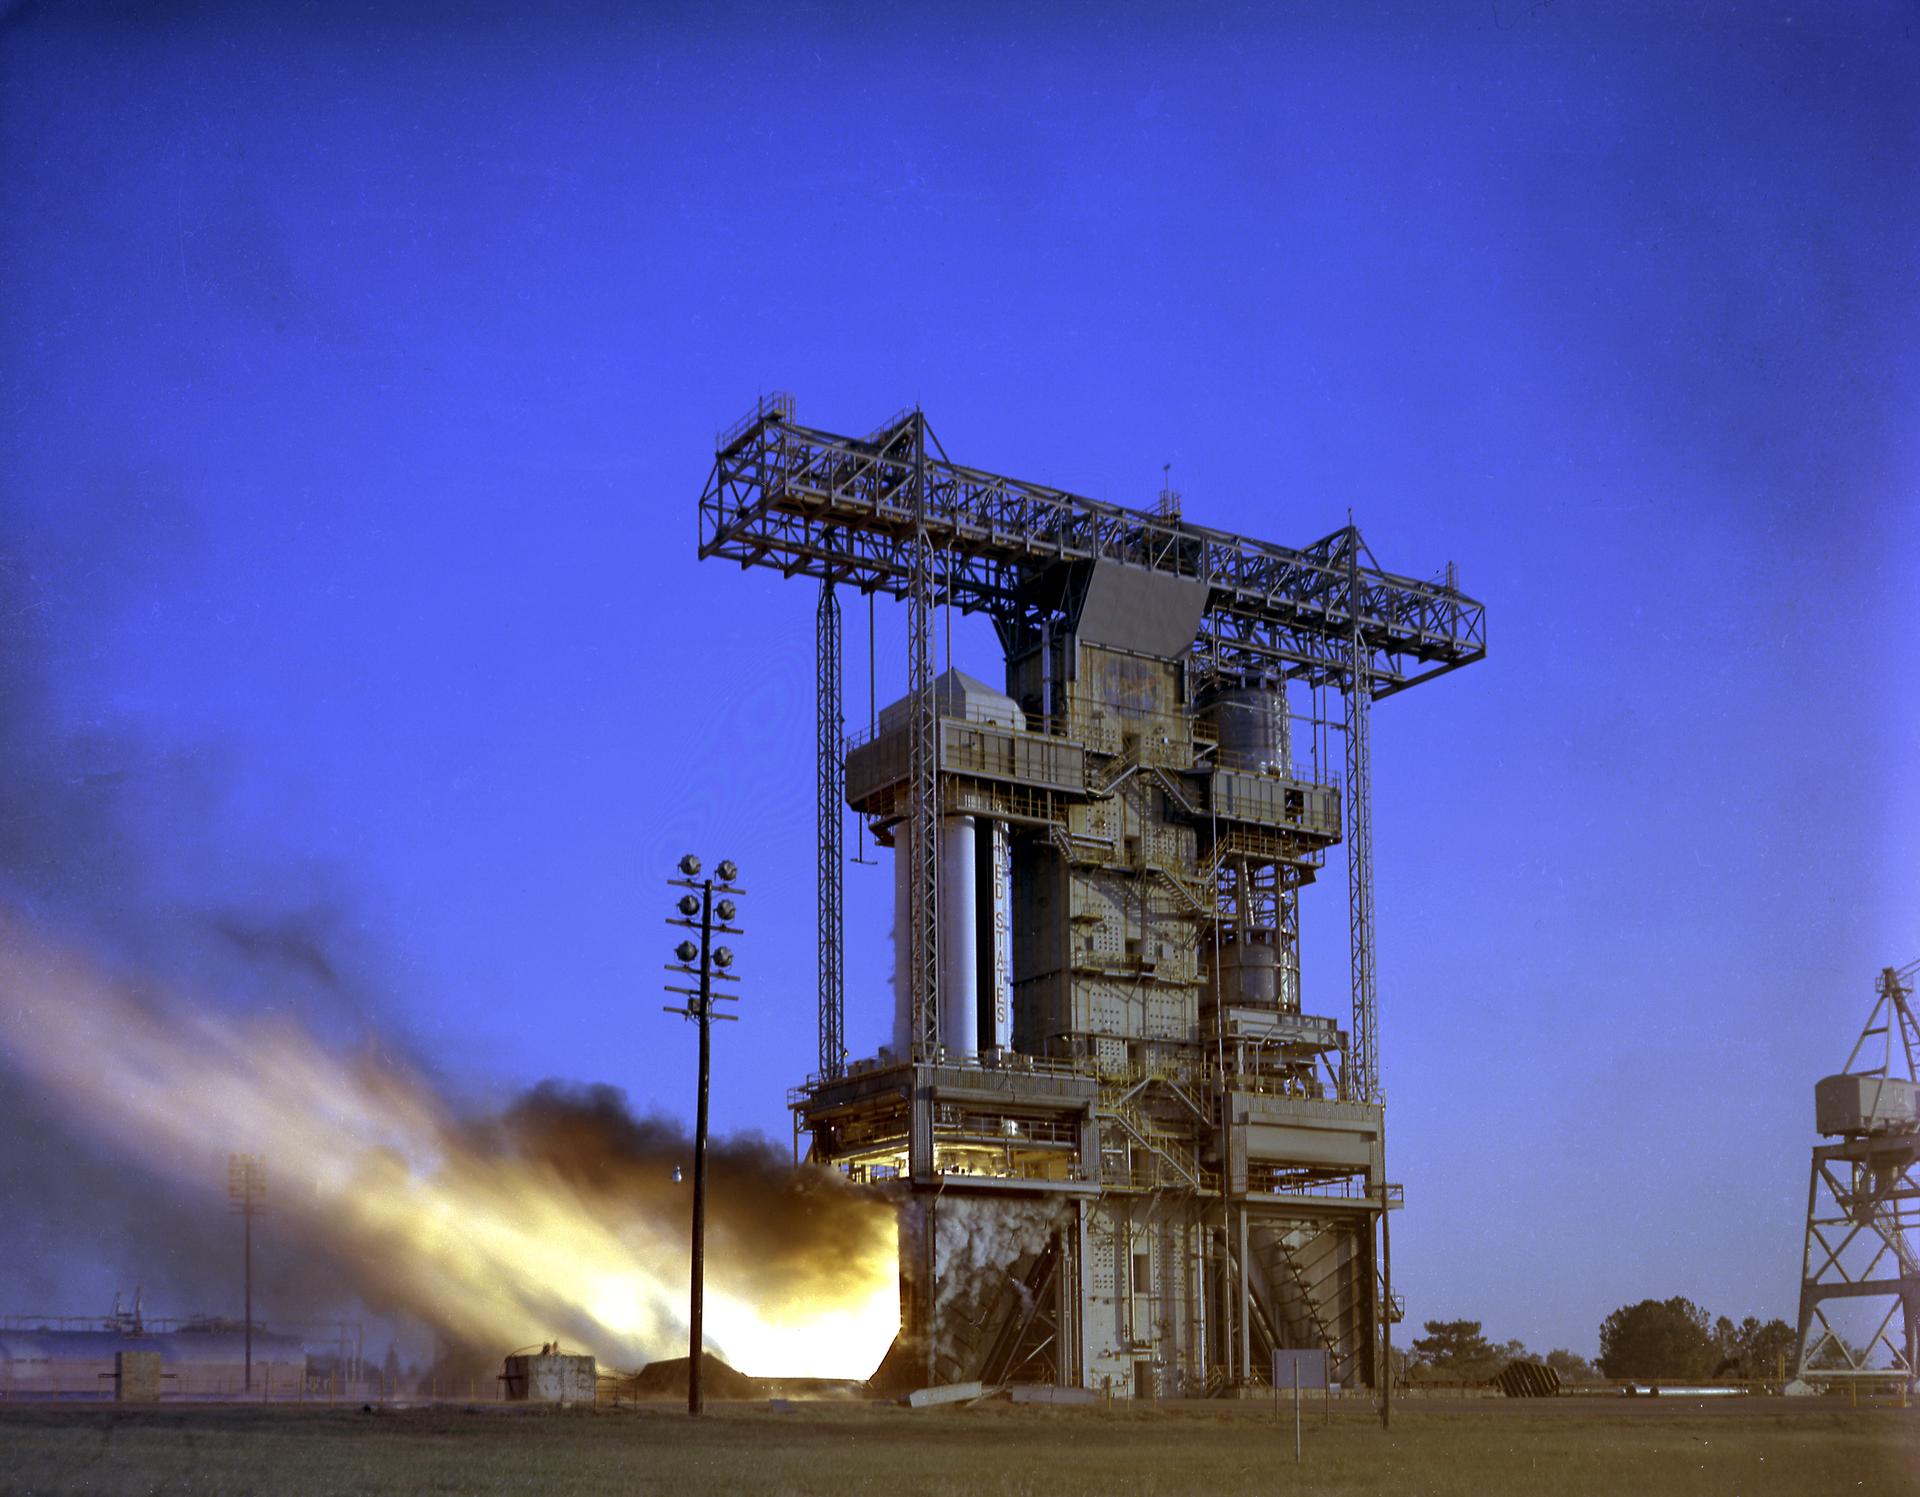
point(1862, 1243)
point(1140, 1046)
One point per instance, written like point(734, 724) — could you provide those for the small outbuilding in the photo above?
point(551, 1376)
point(136, 1376)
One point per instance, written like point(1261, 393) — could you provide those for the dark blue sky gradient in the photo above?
point(360, 375)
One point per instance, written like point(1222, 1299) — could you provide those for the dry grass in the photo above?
point(1575, 1447)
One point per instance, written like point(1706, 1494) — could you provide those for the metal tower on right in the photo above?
point(1863, 1196)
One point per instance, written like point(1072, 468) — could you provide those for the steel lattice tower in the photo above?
point(1362, 1077)
point(923, 758)
point(1863, 1196)
point(830, 745)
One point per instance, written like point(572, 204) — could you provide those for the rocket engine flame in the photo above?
point(559, 1217)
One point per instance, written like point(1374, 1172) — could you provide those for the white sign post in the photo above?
point(1303, 1368)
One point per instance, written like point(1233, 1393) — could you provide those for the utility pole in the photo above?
point(1386, 1305)
point(715, 917)
point(247, 1189)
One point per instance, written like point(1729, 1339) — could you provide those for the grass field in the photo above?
point(1642, 1448)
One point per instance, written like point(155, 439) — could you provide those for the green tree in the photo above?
point(1658, 1338)
point(1455, 1350)
point(1571, 1367)
point(1752, 1349)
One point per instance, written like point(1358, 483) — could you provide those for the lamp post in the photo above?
point(246, 1188)
point(698, 909)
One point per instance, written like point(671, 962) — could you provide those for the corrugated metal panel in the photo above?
point(1528, 1380)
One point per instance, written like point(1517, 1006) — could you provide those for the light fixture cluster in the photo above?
point(708, 908)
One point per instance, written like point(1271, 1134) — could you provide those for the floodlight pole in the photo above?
point(246, 1184)
point(246, 1302)
point(699, 1008)
point(696, 1318)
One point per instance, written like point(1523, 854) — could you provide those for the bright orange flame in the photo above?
point(370, 1161)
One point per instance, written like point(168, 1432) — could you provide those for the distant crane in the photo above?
point(1863, 1195)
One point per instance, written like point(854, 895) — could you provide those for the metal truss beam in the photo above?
point(890, 513)
point(1891, 1028)
point(830, 747)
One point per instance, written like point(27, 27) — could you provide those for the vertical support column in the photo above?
point(1080, 1340)
point(1245, 1306)
point(1066, 1303)
point(1046, 674)
point(1808, 1277)
point(829, 724)
point(923, 770)
point(1197, 1317)
point(1221, 1311)
point(1385, 1311)
point(1911, 1315)
point(246, 1235)
point(1362, 1078)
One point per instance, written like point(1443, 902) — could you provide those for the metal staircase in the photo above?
point(1284, 1253)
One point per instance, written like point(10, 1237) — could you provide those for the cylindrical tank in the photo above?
point(1252, 726)
point(959, 935)
point(1250, 969)
point(975, 912)
point(903, 941)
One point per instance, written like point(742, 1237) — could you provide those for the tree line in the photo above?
point(1671, 1339)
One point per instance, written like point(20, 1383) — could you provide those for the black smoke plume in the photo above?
point(792, 1223)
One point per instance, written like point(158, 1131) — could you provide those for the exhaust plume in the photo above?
point(558, 1218)
point(977, 1244)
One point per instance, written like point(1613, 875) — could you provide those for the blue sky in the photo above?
point(359, 375)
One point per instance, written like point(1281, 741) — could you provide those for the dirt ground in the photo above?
point(1575, 1446)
